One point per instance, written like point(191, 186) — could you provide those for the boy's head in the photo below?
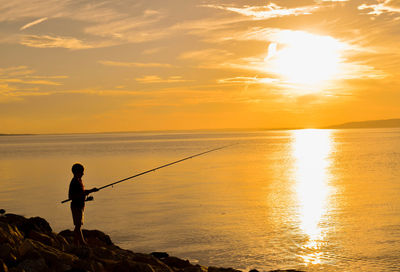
point(77, 169)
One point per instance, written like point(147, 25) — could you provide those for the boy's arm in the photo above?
point(91, 191)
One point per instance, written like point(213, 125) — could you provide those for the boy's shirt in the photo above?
point(77, 193)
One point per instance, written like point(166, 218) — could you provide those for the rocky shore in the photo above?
point(30, 245)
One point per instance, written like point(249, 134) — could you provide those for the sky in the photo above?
point(122, 65)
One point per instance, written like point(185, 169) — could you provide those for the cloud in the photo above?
point(21, 9)
point(127, 28)
point(151, 51)
point(30, 82)
point(267, 12)
point(157, 79)
point(38, 21)
point(21, 81)
point(15, 70)
point(22, 73)
point(206, 54)
point(104, 20)
point(134, 64)
point(50, 77)
point(378, 9)
point(248, 80)
point(46, 41)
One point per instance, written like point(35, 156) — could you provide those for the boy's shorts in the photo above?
point(77, 216)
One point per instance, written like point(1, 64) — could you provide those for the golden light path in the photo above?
point(311, 150)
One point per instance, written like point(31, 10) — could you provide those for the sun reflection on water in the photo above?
point(311, 150)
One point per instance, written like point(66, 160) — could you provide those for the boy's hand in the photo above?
point(91, 191)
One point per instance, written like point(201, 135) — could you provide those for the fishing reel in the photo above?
point(89, 198)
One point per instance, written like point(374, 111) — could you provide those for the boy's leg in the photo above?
point(78, 236)
point(77, 215)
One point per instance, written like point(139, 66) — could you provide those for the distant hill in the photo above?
point(389, 123)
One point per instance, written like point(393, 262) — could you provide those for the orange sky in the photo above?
point(124, 65)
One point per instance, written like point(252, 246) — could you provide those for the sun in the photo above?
point(304, 59)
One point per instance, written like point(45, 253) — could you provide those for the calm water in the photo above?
point(307, 199)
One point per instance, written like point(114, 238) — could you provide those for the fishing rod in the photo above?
point(154, 169)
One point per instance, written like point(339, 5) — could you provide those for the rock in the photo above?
point(288, 270)
point(62, 243)
point(13, 219)
point(82, 252)
point(10, 234)
point(28, 250)
point(40, 237)
point(97, 238)
point(195, 268)
point(156, 264)
point(26, 225)
point(3, 266)
point(128, 266)
point(8, 254)
point(92, 237)
point(87, 265)
point(33, 265)
point(5, 250)
point(38, 224)
point(104, 253)
point(220, 269)
point(175, 262)
point(67, 235)
point(29, 245)
point(160, 255)
point(53, 256)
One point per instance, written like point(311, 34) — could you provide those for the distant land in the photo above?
point(388, 123)
point(11, 134)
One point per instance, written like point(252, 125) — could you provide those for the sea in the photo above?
point(314, 200)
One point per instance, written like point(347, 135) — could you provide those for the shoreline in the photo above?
point(29, 244)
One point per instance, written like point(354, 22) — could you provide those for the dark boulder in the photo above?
point(26, 225)
point(92, 237)
point(220, 269)
point(3, 266)
point(176, 263)
point(159, 255)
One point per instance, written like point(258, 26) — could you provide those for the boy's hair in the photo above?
point(77, 168)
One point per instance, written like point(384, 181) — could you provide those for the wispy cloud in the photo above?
point(377, 9)
point(269, 11)
point(248, 80)
point(129, 29)
point(206, 54)
point(134, 64)
point(46, 41)
point(151, 51)
point(105, 23)
point(157, 79)
point(38, 21)
point(207, 58)
point(21, 81)
point(16, 71)
point(30, 82)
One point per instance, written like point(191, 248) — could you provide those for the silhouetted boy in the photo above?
point(77, 194)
